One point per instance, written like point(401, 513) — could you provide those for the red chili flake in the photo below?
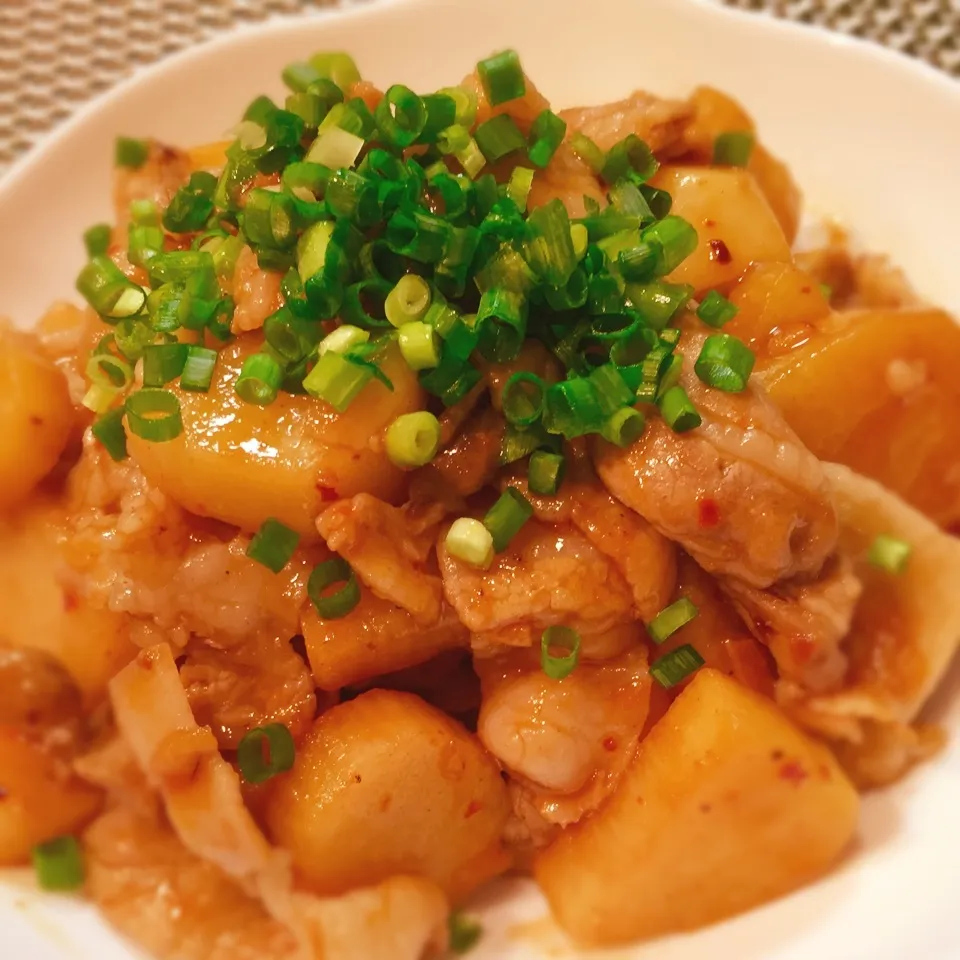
point(709, 512)
point(70, 600)
point(474, 806)
point(35, 420)
point(709, 222)
point(610, 743)
point(719, 251)
point(705, 808)
point(327, 494)
point(793, 772)
point(806, 289)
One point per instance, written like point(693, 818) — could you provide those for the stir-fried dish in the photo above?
point(436, 487)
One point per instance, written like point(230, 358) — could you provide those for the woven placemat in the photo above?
point(55, 54)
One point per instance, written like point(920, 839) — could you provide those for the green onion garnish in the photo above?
point(502, 77)
point(889, 554)
point(264, 752)
point(587, 151)
point(545, 472)
point(505, 518)
point(273, 545)
point(259, 380)
point(162, 363)
point(630, 157)
point(546, 135)
point(343, 339)
point(674, 239)
point(408, 301)
point(401, 116)
point(58, 864)
point(131, 153)
point(677, 410)
point(337, 379)
point(624, 427)
point(463, 932)
point(109, 291)
point(733, 149)
point(565, 638)
point(413, 439)
point(331, 606)
point(674, 667)
point(108, 429)
point(523, 398)
point(498, 137)
point(715, 310)
point(725, 363)
point(419, 345)
point(154, 415)
point(469, 540)
point(97, 239)
point(670, 619)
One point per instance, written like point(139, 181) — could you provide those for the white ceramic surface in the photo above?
point(874, 140)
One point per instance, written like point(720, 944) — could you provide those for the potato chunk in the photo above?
point(878, 391)
point(727, 805)
point(242, 463)
point(386, 784)
point(733, 220)
point(36, 414)
point(39, 799)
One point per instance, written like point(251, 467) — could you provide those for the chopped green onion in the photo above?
point(519, 185)
point(131, 153)
point(109, 371)
point(290, 337)
point(826, 291)
point(675, 240)
point(466, 104)
point(154, 415)
point(677, 410)
point(670, 619)
point(624, 427)
point(505, 518)
point(332, 606)
point(401, 116)
point(413, 439)
point(587, 151)
point(640, 262)
point(264, 752)
point(441, 113)
point(546, 135)
point(523, 397)
point(259, 380)
point(670, 376)
point(733, 149)
point(889, 554)
point(469, 540)
point(337, 379)
point(612, 391)
point(108, 429)
point(162, 363)
point(58, 864)
point(545, 472)
point(498, 137)
point(579, 237)
point(630, 157)
point(198, 370)
point(675, 666)
point(109, 291)
point(549, 249)
point(298, 76)
point(456, 140)
point(725, 363)
point(658, 302)
point(97, 239)
point(519, 442)
point(502, 77)
point(715, 310)
point(192, 204)
point(464, 932)
point(273, 545)
point(343, 338)
point(572, 409)
point(502, 324)
point(338, 67)
point(419, 345)
point(144, 241)
point(566, 638)
point(419, 235)
point(335, 148)
point(408, 301)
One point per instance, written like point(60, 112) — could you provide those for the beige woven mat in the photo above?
point(55, 54)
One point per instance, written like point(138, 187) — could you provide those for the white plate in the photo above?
point(873, 138)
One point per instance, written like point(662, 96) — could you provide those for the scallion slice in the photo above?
point(401, 116)
point(408, 301)
point(108, 429)
point(337, 379)
point(498, 137)
point(501, 324)
point(259, 380)
point(264, 752)
point(546, 135)
point(715, 310)
point(502, 77)
point(631, 156)
point(97, 239)
point(58, 864)
point(163, 362)
point(464, 932)
point(469, 540)
point(338, 67)
point(670, 619)
point(154, 415)
point(677, 410)
point(332, 606)
point(109, 291)
point(674, 667)
point(733, 148)
point(624, 427)
point(566, 638)
point(343, 338)
point(413, 439)
point(523, 397)
point(889, 554)
point(545, 472)
point(505, 518)
point(198, 370)
point(130, 152)
point(587, 151)
point(419, 345)
point(725, 363)
point(273, 544)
